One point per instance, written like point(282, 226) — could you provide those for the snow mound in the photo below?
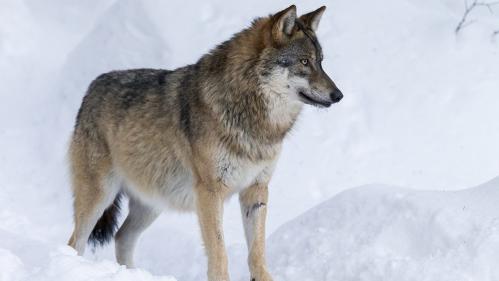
point(26, 256)
point(385, 233)
point(63, 264)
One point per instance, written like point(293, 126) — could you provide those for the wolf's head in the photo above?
point(293, 61)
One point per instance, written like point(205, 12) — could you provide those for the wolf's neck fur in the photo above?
point(248, 112)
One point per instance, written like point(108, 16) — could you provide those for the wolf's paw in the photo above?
point(264, 276)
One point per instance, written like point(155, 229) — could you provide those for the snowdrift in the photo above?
point(385, 233)
point(64, 265)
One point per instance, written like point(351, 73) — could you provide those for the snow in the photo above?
point(63, 264)
point(379, 232)
point(419, 112)
point(374, 232)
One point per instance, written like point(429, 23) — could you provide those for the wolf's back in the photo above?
point(114, 92)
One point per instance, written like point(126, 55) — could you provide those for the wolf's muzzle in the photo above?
point(336, 96)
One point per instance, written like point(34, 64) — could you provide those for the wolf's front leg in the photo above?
point(254, 211)
point(210, 213)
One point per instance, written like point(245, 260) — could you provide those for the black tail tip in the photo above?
point(107, 225)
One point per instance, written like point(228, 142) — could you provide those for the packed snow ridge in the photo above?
point(385, 233)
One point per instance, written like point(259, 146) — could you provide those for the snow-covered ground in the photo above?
point(420, 111)
point(373, 232)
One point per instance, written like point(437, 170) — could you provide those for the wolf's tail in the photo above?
point(107, 225)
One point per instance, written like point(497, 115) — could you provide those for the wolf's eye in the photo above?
point(304, 61)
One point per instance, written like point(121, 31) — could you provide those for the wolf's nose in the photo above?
point(336, 95)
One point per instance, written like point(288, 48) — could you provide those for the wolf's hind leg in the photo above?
point(140, 217)
point(92, 196)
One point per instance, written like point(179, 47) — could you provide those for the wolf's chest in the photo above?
point(238, 173)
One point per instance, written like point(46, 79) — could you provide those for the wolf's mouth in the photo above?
point(309, 100)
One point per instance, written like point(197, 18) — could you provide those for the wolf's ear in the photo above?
point(284, 22)
point(312, 19)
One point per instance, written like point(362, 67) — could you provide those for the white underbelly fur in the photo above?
point(177, 191)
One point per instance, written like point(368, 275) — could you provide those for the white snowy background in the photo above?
point(386, 185)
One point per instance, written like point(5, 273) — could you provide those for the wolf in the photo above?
point(190, 138)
